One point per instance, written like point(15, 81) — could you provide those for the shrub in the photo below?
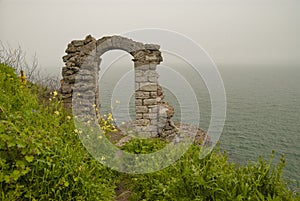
point(41, 157)
point(210, 178)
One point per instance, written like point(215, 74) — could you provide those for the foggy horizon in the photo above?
point(234, 33)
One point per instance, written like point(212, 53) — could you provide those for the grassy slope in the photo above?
point(40, 155)
point(41, 158)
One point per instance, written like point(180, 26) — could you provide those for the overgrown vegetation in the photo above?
point(211, 178)
point(41, 158)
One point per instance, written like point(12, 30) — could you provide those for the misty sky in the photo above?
point(233, 32)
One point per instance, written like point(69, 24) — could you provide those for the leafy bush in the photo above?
point(41, 157)
point(210, 178)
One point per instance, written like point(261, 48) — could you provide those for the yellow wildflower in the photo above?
point(56, 113)
point(110, 118)
point(55, 93)
point(68, 117)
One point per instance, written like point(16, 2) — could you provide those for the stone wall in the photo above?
point(81, 74)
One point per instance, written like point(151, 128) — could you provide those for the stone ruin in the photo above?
point(153, 113)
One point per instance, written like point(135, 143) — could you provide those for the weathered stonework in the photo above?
point(153, 114)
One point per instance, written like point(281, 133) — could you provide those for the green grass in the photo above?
point(212, 178)
point(42, 158)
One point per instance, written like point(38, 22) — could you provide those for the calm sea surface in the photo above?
point(263, 114)
point(263, 111)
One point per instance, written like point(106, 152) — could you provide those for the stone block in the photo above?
point(150, 116)
point(66, 88)
point(89, 39)
point(152, 66)
point(71, 49)
point(151, 128)
point(142, 94)
point(153, 95)
point(86, 87)
point(70, 64)
point(152, 79)
point(66, 57)
point(70, 79)
point(152, 47)
point(149, 87)
point(141, 109)
point(154, 122)
point(153, 109)
point(139, 116)
point(151, 58)
point(138, 102)
point(143, 67)
point(142, 122)
point(141, 79)
point(149, 102)
point(77, 43)
point(143, 84)
point(139, 73)
point(151, 73)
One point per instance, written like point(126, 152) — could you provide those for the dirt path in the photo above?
point(122, 192)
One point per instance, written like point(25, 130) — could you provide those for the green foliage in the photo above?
point(211, 178)
point(41, 157)
point(144, 146)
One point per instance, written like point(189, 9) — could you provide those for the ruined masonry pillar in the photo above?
point(80, 77)
point(146, 93)
point(86, 88)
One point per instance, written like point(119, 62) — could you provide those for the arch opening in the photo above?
point(152, 113)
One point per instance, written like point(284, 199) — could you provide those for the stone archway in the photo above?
point(153, 113)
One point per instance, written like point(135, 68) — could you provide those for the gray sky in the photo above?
point(233, 32)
